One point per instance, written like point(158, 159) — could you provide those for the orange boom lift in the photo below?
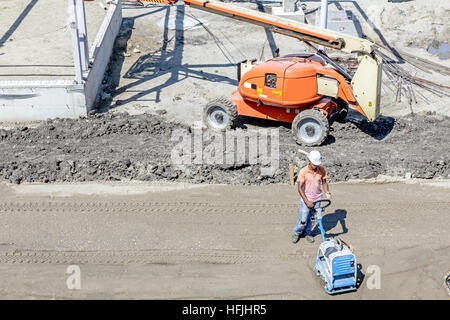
point(311, 91)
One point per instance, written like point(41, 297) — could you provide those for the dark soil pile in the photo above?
point(106, 147)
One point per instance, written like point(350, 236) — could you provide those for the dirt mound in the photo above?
point(139, 147)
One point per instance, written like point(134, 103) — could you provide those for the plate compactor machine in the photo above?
point(310, 91)
point(336, 264)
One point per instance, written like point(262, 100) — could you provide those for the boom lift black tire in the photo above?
point(310, 128)
point(220, 115)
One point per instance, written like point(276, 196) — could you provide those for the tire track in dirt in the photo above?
point(139, 257)
point(175, 207)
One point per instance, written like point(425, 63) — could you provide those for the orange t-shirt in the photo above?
point(313, 182)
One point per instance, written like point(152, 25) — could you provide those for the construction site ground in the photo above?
point(36, 45)
point(173, 241)
point(102, 192)
point(175, 59)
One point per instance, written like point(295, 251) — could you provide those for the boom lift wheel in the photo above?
point(220, 114)
point(310, 127)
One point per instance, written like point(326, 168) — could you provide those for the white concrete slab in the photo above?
point(342, 21)
point(37, 70)
point(35, 41)
point(283, 13)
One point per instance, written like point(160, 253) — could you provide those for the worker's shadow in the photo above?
point(330, 221)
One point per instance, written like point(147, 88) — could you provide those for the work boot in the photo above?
point(310, 239)
point(295, 238)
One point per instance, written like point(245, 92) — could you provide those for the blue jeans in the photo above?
point(304, 221)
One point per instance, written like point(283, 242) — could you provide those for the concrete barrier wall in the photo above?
point(101, 50)
point(40, 100)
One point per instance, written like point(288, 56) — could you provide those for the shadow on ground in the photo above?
point(149, 66)
point(330, 221)
point(378, 129)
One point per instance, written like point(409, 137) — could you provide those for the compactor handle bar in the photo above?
point(327, 203)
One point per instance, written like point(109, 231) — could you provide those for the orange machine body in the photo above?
point(280, 88)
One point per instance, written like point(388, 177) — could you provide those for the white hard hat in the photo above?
point(315, 157)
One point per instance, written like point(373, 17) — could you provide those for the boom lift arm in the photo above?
point(363, 91)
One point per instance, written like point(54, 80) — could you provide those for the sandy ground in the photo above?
point(35, 41)
point(216, 241)
point(160, 240)
point(166, 60)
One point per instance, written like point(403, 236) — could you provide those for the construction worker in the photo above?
point(311, 179)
